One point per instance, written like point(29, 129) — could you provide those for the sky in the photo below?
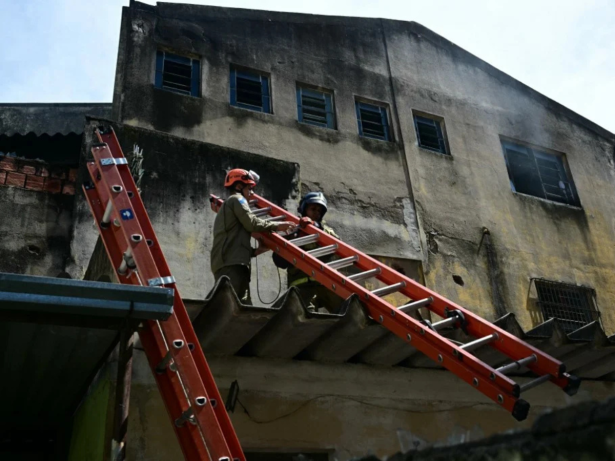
point(66, 50)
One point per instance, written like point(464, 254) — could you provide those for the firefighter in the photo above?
point(312, 209)
point(231, 250)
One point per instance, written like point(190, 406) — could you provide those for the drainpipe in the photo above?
point(494, 273)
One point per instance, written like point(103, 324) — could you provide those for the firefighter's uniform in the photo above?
point(231, 251)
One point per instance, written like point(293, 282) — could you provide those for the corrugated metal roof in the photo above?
point(54, 335)
point(50, 119)
point(289, 331)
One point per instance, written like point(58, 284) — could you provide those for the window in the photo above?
point(538, 173)
point(572, 304)
point(373, 121)
point(315, 107)
point(250, 90)
point(177, 73)
point(429, 134)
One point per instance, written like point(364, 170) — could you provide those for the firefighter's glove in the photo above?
point(304, 222)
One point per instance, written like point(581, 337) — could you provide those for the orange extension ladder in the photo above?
point(187, 386)
point(423, 335)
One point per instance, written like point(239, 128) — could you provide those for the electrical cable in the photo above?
point(350, 399)
point(258, 292)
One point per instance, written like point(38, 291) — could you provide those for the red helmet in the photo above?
point(238, 175)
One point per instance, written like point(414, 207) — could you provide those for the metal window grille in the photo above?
point(429, 134)
point(250, 90)
point(574, 306)
point(177, 73)
point(373, 121)
point(315, 107)
point(539, 173)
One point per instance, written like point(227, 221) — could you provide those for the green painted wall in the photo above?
point(90, 423)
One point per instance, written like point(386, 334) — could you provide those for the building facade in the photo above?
point(424, 150)
point(432, 160)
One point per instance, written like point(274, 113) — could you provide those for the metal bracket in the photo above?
point(113, 161)
point(463, 323)
point(157, 282)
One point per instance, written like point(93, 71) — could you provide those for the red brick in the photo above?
point(69, 188)
point(8, 164)
point(53, 186)
point(27, 168)
point(58, 173)
point(35, 183)
point(72, 174)
point(44, 172)
point(2, 177)
point(15, 179)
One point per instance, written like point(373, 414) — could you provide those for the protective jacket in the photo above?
point(233, 226)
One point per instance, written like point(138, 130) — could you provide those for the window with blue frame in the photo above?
point(541, 174)
point(429, 134)
point(250, 90)
point(178, 73)
point(373, 121)
point(315, 107)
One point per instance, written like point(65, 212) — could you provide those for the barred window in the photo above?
point(539, 173)
point(429, 134)
point(177, 73)
point(315, 107)
point(373, 121)
point(574, 306)
point(250, 90)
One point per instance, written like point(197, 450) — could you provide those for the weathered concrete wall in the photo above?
point(35, 229)
point(410, 68)
point(179, 176)
point(350, 409)
point(363, 178)
point(457, 195)
point(582, 431)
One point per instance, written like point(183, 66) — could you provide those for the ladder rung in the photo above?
point(275, 218)
point(261, 211)
point(306, 240)
point(104, 222)
point(388, 289)
point(516, 365)
point(341, 263)
point(444, 323)
point(479, 342)
point(253, 202)
point(534, 383)
point(364, 275)
point(415, 305)
point(128, 262)
point(323, 251)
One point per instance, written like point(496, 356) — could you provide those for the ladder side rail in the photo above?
point(380, 310)
point(507, 343)
point(110, 138)
point(190, 440)
point(515, 348)
point(502, 389)
point(437, 347)
point(147, 270)
point(112, 248)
